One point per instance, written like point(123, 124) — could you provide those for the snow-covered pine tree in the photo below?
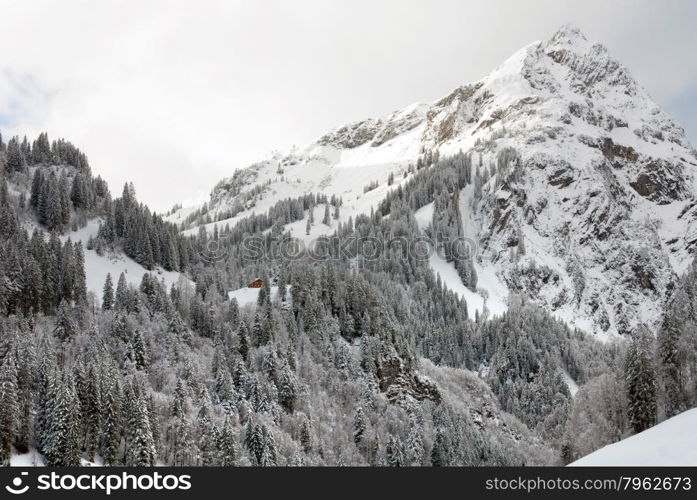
point(439, 451)
point(15, 159)
point(110, 423)
point(287, 388)
point(359, 425)
point(269, 457)
point(65, 325)
point(415, 450)
point(326, 219)
point(9, 407)
point(64, 448)
point(90, 406)
point(142, 445)
point(227, 445)
point(393, 452)
point(137, 351)
point(243, 339)
point(79, 284)
point(306, 434)
point(233, 314)
point(121, 299)
point(254, 442)
point(640, 381)
point(108, 294)
point(675, 400)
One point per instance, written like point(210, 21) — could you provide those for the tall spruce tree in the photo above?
point(640, 381)
point(9, 406)
point(108, 294)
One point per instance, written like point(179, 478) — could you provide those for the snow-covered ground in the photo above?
point(30, 459)
point(491, 292)
point(248, 296)
point(97, 267)
point(570, 383)
point(35, 459)
point(670, 443)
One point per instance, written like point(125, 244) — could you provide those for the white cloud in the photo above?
point(176, 95)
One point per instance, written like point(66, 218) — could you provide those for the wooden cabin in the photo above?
point(257, 283)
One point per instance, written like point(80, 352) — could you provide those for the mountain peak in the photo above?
point(595, 168)
point(568, 33)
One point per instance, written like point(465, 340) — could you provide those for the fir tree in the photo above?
point(65, 325)
point(640, 382)
point(394, 453)
point(670, 364)
point(326, 220)
point(439, 452)
point(111, 428)
point(306, 435)
point(79, 284)
point(287, 392)
point(9, 400)
point(15, 159)
point(228, 445)
point(142, 445)
point(137, 352)
point(108, 294)
point(243, 340)
point(359, 425)
point(90, 405)
point(64, 448)
point(268, 456)
point(121, 299)
point(254, 442)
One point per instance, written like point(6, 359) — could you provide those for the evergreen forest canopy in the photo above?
point(347, 360)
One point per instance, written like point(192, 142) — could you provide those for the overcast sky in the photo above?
point(175, 95)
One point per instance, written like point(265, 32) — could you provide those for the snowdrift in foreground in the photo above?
point(670, 443)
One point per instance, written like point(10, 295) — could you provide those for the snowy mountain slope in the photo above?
point(248, 296)
point(98, 266)
point(581, 170)
point(491, 293)
point(670, 443)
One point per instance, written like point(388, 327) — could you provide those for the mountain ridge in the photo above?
point(597, 184)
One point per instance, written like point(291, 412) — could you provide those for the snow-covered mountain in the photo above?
point(593, 222)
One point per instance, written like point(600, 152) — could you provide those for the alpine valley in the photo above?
point(553, 315)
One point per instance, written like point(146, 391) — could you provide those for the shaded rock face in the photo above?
point(596, 204)
point(397, 382)
point(375, 132)
point(662, 182)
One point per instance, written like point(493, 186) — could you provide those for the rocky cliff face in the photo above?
point(588, 199)
point(597, 200)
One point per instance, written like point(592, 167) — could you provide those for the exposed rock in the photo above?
point(397, 382)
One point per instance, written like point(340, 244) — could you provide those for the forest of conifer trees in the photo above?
point(342, 360)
